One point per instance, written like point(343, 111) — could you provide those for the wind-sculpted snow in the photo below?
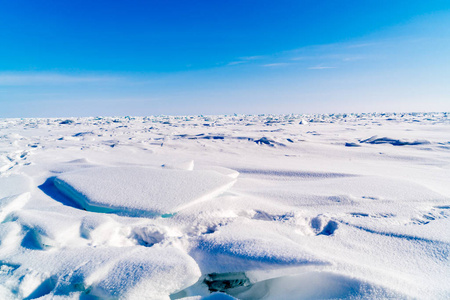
point(332, 206)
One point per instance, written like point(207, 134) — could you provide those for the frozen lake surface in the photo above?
point(221, 207)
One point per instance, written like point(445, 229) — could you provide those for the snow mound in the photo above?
point(256, 246)
point(138, 191)
point(147, 273)
point(314, 285)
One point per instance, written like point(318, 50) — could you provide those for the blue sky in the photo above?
point(84, 58)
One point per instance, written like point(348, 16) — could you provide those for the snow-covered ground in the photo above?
point(258, 207)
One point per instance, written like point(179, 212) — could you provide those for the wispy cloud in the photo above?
point(303, 58)
point(233, 63)
point(255, 57)
point(326, 54)
point(361, 45)
point(354, 58)
point(276, 65)
point(245, 59)
point(32, 78)
point(334, 57)
point(320, 68)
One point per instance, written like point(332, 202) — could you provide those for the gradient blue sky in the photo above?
point(85, 58)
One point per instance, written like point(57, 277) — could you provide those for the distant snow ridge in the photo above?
point(138, 191)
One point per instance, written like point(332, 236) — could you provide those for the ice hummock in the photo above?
point(139, 191)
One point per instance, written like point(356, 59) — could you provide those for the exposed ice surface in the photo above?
point(336, 206)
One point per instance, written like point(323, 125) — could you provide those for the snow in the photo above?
point(249, 207)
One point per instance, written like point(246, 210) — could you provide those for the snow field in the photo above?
point(247, 207)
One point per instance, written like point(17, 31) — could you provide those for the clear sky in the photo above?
point(90, 58)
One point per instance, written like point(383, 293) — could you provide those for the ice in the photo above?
point(140, 191)
point(323, 206)
point(66, 122)
point(226, 281)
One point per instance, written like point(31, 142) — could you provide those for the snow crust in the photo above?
point(342, 206)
